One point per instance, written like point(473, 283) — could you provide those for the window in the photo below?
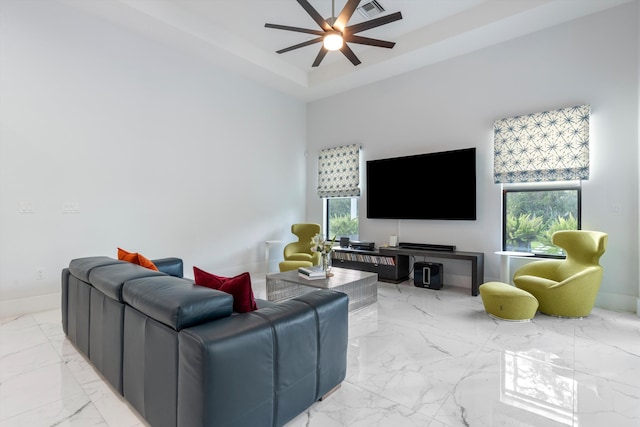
point(531, 214)
point(543, 152)
point(339, 186)
point(342, 218)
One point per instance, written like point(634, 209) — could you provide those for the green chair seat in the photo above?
point(293, 265)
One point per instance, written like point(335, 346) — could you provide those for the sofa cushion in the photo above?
point(136, 258)
point(81, 267)
point(109, 279)
point(176, 302)
point(238, 286)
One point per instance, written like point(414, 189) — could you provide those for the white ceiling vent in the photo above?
point(371, 9)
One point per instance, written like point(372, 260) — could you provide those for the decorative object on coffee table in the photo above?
point(312, 273)
point(324, 247)
point(326, 264)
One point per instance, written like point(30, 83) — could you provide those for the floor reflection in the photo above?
point(538, 387)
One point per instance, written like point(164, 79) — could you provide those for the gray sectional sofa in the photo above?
point(181, 357)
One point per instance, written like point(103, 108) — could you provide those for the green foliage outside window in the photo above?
point(532, 216)
point(342, 221)
point(343, 225)
point(522, 230)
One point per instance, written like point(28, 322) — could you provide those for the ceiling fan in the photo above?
point(335, 34)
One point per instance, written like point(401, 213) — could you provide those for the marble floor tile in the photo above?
point(607, 361)
point(50, 323)
point(603, 402)
point(414, 368)
point(113, 408)
point(20, 333)
point(29, 359)
point(41, 386)
point(510, 388)
point(417, 357)
point(536, 339)
point(75, 411)
point(353, 406)
point(616, 330)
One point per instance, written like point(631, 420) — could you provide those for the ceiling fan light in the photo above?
point(333, 41)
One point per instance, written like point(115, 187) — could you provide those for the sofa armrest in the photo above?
point(171, 266)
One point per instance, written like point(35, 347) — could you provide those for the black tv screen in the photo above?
point(425, 186)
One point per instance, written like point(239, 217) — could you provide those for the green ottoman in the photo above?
point(508, 302)
point(293, 265)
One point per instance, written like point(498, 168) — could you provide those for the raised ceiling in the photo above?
point(231, 33)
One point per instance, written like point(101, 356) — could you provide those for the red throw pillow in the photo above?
point(136, 258)
point(239, 287)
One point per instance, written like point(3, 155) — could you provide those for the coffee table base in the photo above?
point(360, 286)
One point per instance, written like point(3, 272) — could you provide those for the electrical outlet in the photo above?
point(39, 273)
point(71, 207)
point(26, 207)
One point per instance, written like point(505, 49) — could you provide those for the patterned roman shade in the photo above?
point(339, 171)
point(542, 147)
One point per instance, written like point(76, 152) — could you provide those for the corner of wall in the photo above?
point(638, 134)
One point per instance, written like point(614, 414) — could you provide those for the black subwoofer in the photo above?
point(427, 275)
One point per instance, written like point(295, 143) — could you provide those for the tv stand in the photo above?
point(476, 258)
point(390, 268)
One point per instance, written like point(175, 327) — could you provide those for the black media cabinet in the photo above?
point(392, 268)
point(476, 258)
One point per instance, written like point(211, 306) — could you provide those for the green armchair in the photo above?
point(301, 250)
point(566, 288)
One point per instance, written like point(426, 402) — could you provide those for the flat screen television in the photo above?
point(438, 185)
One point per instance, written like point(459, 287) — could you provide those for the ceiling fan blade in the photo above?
point(368, 41)
point(315, 15)
point(296, 29)
point(346, 50)
point(297, 46)
point(320, 57)
point(356, 28)
point(345, 15)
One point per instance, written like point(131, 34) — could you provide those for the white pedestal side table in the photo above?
point(267, 247)
point(505, 257)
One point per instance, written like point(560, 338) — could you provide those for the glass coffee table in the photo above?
point(360, 286)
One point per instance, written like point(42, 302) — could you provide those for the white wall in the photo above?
point(165, 154)
point(453, 105)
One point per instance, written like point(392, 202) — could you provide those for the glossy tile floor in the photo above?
point(416, 358)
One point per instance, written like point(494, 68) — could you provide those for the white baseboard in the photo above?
point(28, 305)
point(617, 302)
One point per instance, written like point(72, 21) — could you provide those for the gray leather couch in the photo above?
point(181, 357)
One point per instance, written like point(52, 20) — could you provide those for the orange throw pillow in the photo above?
point(136, 258)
